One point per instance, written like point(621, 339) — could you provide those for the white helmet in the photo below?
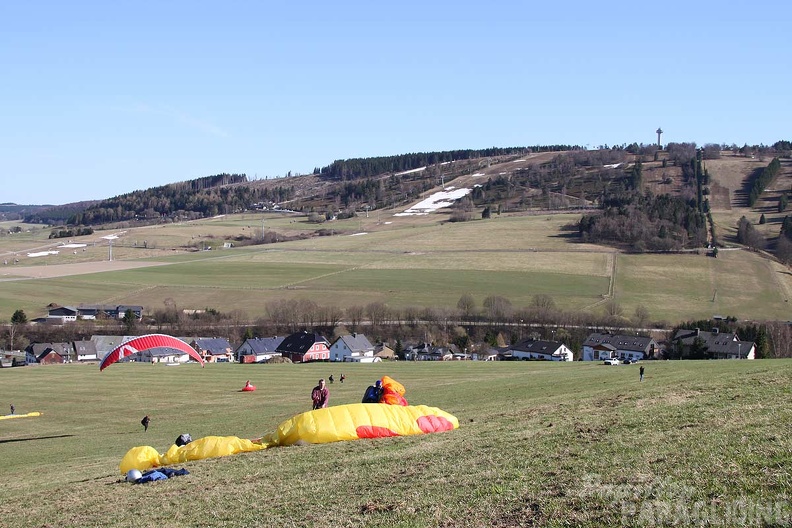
point(133, 475)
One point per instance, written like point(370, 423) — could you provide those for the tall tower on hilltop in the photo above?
point(659, 133)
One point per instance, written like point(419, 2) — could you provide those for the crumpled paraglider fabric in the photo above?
point(392, 392)
point(146, 457)
point(331, 424)
point(161, 474)
point(28, 415)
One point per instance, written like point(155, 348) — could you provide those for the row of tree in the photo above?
point(204, 197)
point(763, 180)
point(355, 168)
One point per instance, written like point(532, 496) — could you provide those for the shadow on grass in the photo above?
point(34, 438)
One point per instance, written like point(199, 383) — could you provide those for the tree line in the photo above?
point(201, 198)
point(763, 180)
point(355, 168)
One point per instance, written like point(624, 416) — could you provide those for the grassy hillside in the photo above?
point(539, 444)
point(419, 264)
point(414, 261)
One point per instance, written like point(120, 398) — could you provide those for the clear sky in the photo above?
point(102, 98)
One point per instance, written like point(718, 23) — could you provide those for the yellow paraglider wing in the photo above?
point(331, 424)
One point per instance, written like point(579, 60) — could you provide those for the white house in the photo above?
point(85, 350)
point(598, 347)
point(353, 347)
point(541, 350)
point(257, 349)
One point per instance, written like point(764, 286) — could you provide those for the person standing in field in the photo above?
point(342, 377)
point(145, 422)
point(320, 395)
point(640, 372)
point(13, 409)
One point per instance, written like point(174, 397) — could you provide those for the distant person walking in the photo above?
point(145, 422)
point(342, 377)
point(13, 409)
point(331, 379)
point(640, 372)
point(320, 395)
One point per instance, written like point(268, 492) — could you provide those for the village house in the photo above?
point(302, 347)
point(384, 352)
point(257, 350)
point(213, 349)
point(85, 350)
point(63, 314)
point(598, 347)
point(541, 350)
point(712, 345)
point(105, 344)
point(52, 353)
point(353, 347)
point(162, 355)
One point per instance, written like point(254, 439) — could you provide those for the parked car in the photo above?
point(613, 361)
point(627, 361)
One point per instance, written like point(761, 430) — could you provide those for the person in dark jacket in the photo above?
point(373, 393)
point(640, 372)
point(145, 422)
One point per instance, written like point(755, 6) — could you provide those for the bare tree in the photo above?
point(614, 309)
point(498, 308)
point(355, 315)
point(641, 316)
point(467, 305)
point(377, 313)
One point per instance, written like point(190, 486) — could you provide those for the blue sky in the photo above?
point(103, 98)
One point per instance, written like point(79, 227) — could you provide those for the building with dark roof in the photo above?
point(213, 349)
point(352, 347)
point(698, 344)
point(257, 349)
point(305, 346)
point(541, 350)
point(618, 346)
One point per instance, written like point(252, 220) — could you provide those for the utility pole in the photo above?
point(659, 133)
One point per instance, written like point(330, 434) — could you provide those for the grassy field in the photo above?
point(410, 263)
point(539, 444)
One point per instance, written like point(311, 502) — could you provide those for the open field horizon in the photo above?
point(539, 443)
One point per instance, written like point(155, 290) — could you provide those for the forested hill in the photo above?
point(352, 169)
point(57, 214)
point(207, 196)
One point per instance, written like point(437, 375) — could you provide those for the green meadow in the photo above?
point(539, 444)
point(409, 262)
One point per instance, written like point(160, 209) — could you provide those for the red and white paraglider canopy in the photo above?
point(146, 342)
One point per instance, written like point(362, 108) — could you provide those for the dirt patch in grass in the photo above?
point(82, 268)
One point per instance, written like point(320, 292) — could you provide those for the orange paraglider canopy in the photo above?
point(392, 392)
